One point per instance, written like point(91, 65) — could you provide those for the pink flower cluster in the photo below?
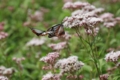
point(65, 37)
point(87, 17)
point(70, 64)
point(50, 58)
point(18, 60)
point(1, 26)
point(2, 34)
point(5, 72)
point(58, 46)
point(75, 5)
point(37, 16)
point(50, 76)
point(36, 41)
point(104, 77)
point(3, 78)
point(109, 20)
point(112, 56)
point(82, 18)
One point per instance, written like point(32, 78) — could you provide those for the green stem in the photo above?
point(94, 58)
point(92, 52)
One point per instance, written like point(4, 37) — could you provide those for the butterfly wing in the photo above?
point(56, 30)
point(37, 32)
point(60, 30)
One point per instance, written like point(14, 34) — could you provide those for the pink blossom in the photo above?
point(8, 71)
point(18, 60)
point(1, 26)
point(104, 77)
point(3, 35)
point(27, 23)
point(110, 24)
point(79, 4)
point(68, 5)
point(92, 32)
point(106, 16)
point(58, 46)
point(87, 16)
point(112, 56)
point(50, 76)
point(2, 68)
point(93, 21)
point(66, 36)
point(3, 78)
point(36, 41)
point(98, 10)
point(89, 8)
point(69, 64)
point(117, 19)
point(37, 16)
point(50, 58)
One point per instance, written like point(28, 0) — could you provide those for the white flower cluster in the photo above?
point(70, 64)
point(50, 76)
point(112, 56)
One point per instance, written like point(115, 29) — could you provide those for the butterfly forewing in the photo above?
point(37, 32)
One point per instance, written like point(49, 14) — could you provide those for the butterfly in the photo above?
point(55, 31)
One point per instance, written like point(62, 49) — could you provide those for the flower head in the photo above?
point(3, 78)
point(58, 46)
point(70, 64)
point(3, 35)
point(37, 16)
point(36, 42)
point(1, 25)
point(68, 5)
point(112, 56)
point(50, 76)
point(50, 58)
point(2, 68)
point(18, 60)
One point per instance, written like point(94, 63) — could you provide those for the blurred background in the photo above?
point(17, 15)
